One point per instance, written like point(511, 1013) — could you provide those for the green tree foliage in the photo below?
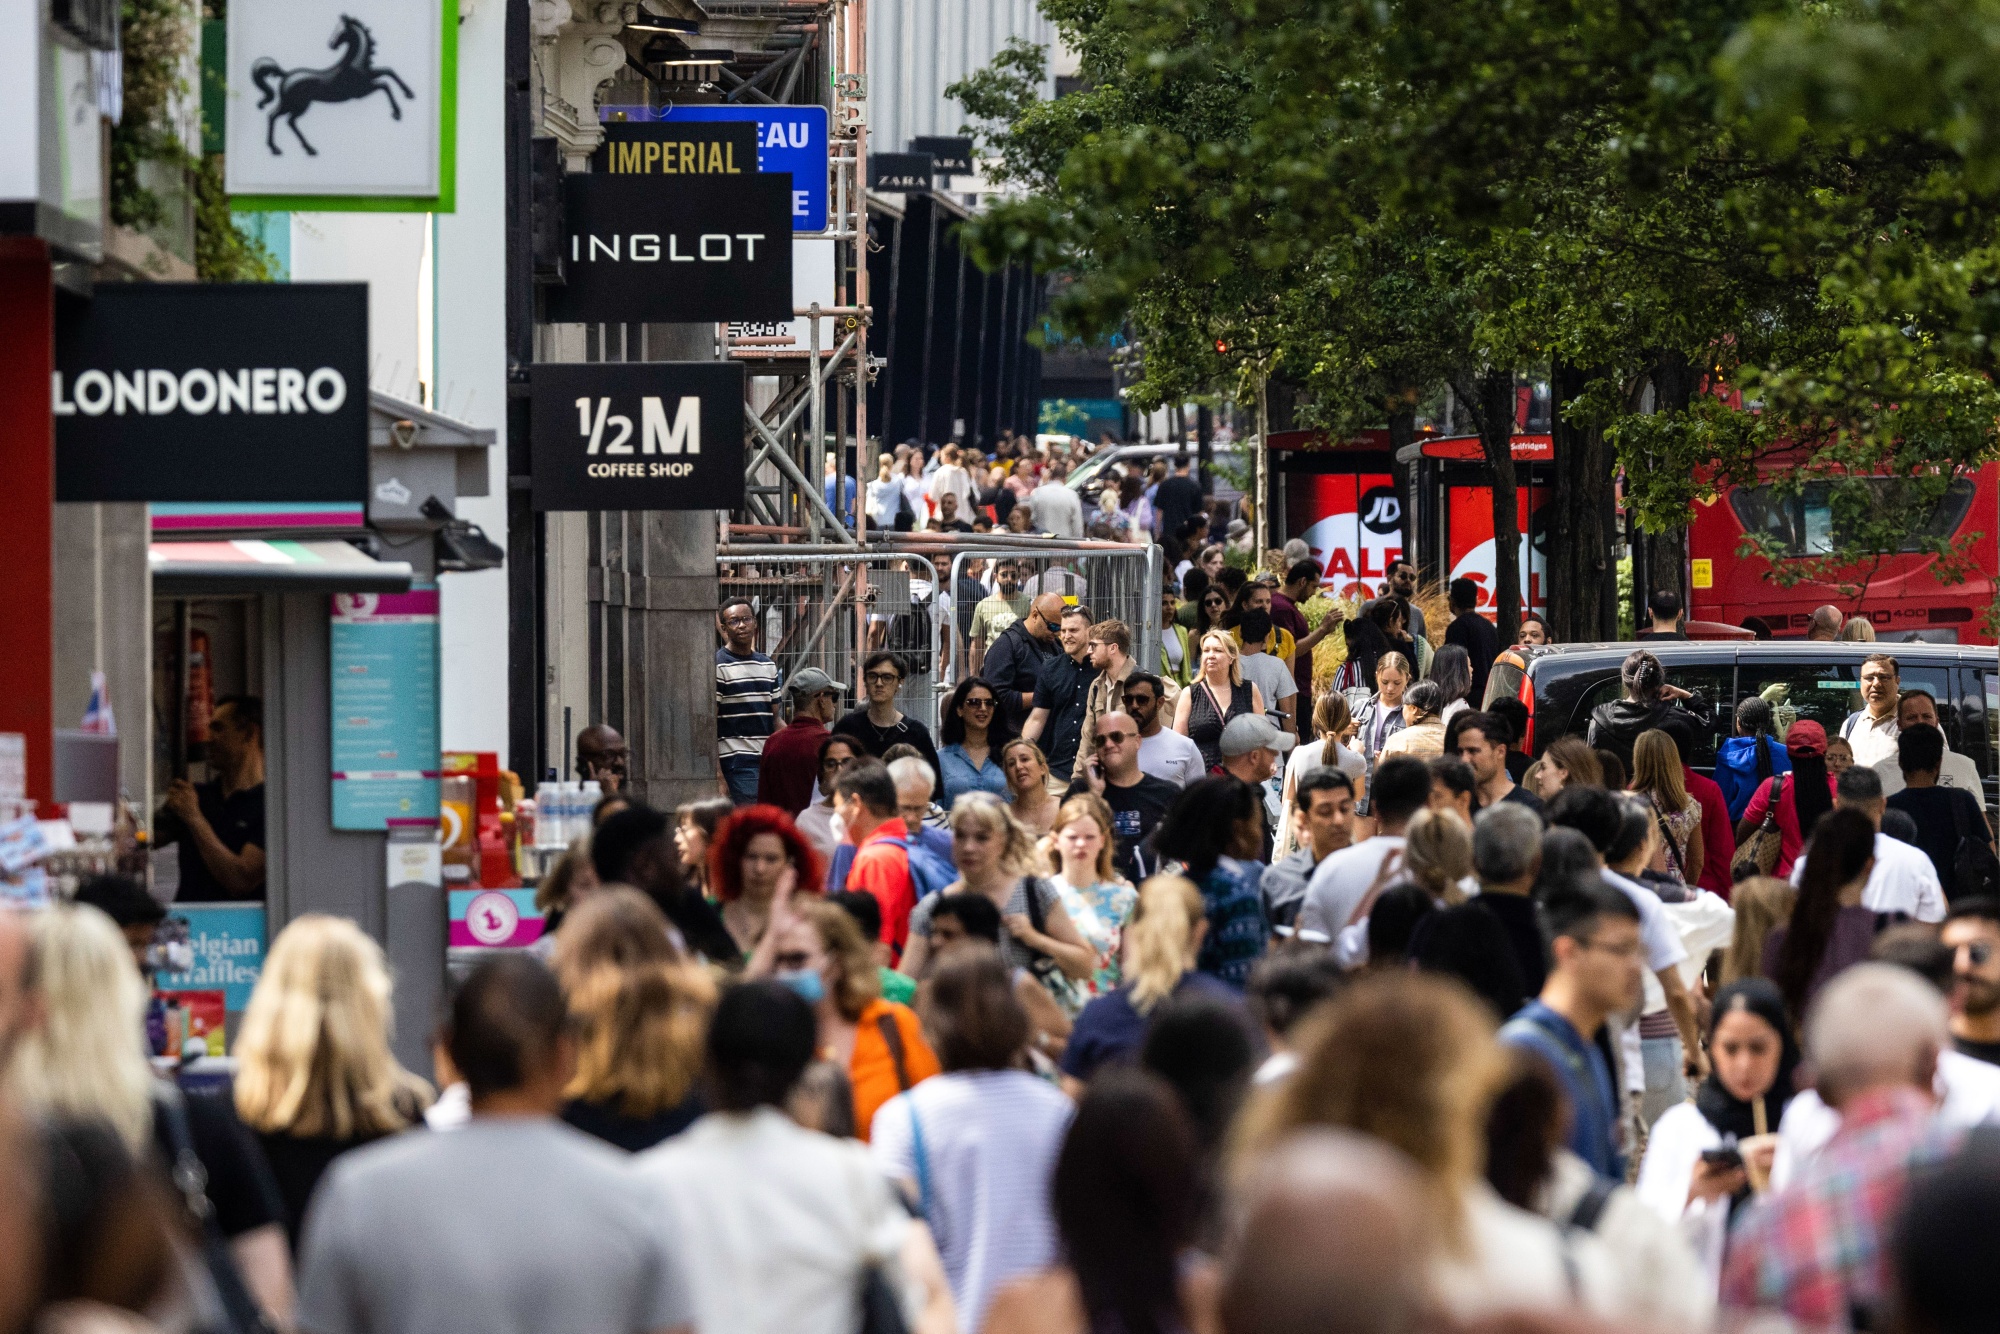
point(1680, 206)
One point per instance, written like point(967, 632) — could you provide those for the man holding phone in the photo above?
point(1137, 799)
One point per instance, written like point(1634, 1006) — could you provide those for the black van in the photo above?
point(1564, 682)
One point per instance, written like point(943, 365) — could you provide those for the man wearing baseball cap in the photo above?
point(1251, 745)
point(791, 756)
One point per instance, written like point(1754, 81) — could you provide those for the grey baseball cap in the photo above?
point(811, 680)
point(1253, 731)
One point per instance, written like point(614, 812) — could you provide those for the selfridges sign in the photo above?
point(213, 392)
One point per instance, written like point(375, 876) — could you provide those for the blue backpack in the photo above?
point(929, 872)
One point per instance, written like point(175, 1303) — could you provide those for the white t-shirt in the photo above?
point(1342, 881)
point(1959, 771)
point(1656, 930)
point(1056, 510)
point(1903, 880)
point(777, 1222)
point(990, 1140)
point(1170, 756)
point(1968, 1093)
point(1872, 741)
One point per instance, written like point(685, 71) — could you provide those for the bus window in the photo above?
point(1978, 709)
point(1803, 524)
point(1713, 684)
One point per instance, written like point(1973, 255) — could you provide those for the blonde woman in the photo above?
point(1217, 695)
point(1027, 771)
point(996, 858)
point(86, 1061)
point(640, 1007)
point(1436, 858)
point(1410, 1059)
point(1096, 897)
point(1657, 776)
point(1333, 725)
point(315, 1076)
point(1162, 942)
point(1763, 903)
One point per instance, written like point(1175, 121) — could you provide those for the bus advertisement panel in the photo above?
point(1353, 523)
point(1469, 523)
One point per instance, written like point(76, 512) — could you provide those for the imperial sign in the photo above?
point(637, 435)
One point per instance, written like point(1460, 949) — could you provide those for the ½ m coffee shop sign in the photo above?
point(644, 435)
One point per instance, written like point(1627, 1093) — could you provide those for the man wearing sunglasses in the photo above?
point(1137, 799)
point(1014, 663)
point(1972, 933)
point(1163, 753)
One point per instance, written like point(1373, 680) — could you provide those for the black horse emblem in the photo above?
point(354, 75)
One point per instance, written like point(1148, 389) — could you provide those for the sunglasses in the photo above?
point(977, 704)
point(1111, 738)
point(1212, 602)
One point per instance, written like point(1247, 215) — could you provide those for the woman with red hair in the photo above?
point(758, 857)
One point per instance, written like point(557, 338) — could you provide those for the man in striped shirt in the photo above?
point(746, 694)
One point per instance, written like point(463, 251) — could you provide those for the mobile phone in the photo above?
point(1723, 1156)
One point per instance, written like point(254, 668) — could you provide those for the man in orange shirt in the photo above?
point(864, 796)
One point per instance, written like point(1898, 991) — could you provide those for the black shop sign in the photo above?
point(221, 392)
point(680, 249)
point(903, 173)
point(644, 435)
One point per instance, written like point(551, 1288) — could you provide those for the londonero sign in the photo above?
point(213, 392)
point(644, 435)
point(674, 249)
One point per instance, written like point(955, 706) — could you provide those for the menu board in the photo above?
point(386, 751)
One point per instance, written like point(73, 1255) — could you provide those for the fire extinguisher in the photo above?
point(200, 689)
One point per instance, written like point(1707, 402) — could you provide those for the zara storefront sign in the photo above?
point(213, 392)
point(674, 249)
point(644, 435)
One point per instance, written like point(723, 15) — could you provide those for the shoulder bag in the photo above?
point(1758, 854)
point(223, 1304)
point(1974, 869)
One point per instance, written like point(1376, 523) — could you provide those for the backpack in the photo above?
point(929, 873)
point(1974, 870)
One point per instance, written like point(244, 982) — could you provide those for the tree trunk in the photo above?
point(1666, 552)
point(1403, 476)
point(1583, 579)
point(1491, 406)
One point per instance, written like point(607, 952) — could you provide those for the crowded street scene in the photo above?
point(1160, 667)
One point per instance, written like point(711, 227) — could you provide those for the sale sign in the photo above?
point(1469, 513)
point(1353, 524)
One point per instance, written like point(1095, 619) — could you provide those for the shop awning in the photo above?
point(252, 565)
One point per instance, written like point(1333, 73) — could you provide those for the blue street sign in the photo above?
point(789, 139)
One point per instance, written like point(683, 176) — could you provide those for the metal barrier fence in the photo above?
point(1116, 584)
point(832, 611)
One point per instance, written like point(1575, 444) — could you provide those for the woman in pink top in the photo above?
point(1805, 794)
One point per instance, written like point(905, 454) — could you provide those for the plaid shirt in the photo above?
point(1817, 1250)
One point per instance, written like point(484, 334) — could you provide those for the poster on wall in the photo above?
point(1469, 516)
point(1352, 522)
point(341, 104)
point(386, 750)
point(227, 941)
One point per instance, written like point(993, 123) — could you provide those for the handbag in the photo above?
point(1974, 869)
point(1759, 853)
point(223, 1304)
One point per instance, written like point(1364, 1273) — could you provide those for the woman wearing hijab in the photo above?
point(1802, 796)
point(1753, 1059)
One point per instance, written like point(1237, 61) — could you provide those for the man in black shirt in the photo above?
point(1943, 815)
point(1666, 612)
point(1137, 799)
point(220, 824)
point(1014, 663)
point(1507, 856)
point(1177, 499)
point(1972, 932)
point(1482, 743)
point(1061, 697)
point(1473, 633)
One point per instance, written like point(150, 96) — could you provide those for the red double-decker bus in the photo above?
point(1903, 597)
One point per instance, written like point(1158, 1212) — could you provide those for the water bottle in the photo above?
point(593, 792)
point(548, 815)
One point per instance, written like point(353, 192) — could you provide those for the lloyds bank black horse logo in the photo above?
point(353, 76)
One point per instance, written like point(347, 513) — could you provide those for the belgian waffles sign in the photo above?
point(213, 392)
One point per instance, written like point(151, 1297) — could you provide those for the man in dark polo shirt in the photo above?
point(220, 824)
point(1061, 698)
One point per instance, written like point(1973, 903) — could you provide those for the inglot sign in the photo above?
point(213, 392)
point(637, 435)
